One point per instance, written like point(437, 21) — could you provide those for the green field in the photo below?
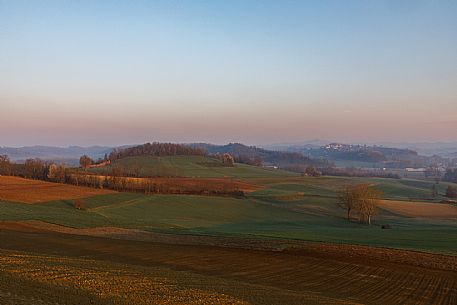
point(190, 166)
point(287, 205)
point(295, 208)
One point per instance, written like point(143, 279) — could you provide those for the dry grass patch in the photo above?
point(34, 191)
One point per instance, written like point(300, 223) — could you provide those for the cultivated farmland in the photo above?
point(286, 241)
point(279, 211)
point(121, 272)
point(35, 191)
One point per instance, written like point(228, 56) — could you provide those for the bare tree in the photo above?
point(347, 200)
point(368, 203)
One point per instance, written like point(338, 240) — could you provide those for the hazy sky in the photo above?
point(118, 72)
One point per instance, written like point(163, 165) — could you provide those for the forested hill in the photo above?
point(389, 157)
point(157, 150)
point(259, 156)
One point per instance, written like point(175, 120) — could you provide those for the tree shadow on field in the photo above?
point(69, 203)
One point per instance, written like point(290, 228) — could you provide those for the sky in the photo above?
point(256, 72)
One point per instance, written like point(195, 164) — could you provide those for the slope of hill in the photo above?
point(302, 208)
point(187, 166)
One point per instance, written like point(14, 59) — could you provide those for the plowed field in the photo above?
point(35, 191)
point(132, 272)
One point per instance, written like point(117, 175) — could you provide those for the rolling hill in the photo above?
point(188, 166)
point(302, 208)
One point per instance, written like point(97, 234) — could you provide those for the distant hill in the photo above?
point(69, 154)
point(442, 149)
point(383, 156)
point(295, 161)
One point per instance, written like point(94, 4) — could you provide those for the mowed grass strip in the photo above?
point(35, 191)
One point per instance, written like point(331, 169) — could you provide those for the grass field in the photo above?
point(290, 207)
point(53, 253)
point(306, 218)
point(191, 166)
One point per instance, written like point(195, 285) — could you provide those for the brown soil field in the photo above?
point(35, 191)
point(160, 272)
point(183, 184)
point(420, 209)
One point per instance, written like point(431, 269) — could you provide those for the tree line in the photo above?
point(357, 172)
point(153, 186)
point(33, 169)
point(115, 179)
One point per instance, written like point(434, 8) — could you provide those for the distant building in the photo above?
point(415, 170)
point(271, 166)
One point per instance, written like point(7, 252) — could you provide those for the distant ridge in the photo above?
point(64, 154)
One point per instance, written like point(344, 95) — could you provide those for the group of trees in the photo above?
point(450, 175)
point(157, 149)
point(153, 186)
point(312, 171)
point(293, 161)
point(34, 169)
point(227, 160)
point(451, 192)
point(85, 161)
point(57, 173)
point(361, 199)
point(249, 160)
point(5, 165)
